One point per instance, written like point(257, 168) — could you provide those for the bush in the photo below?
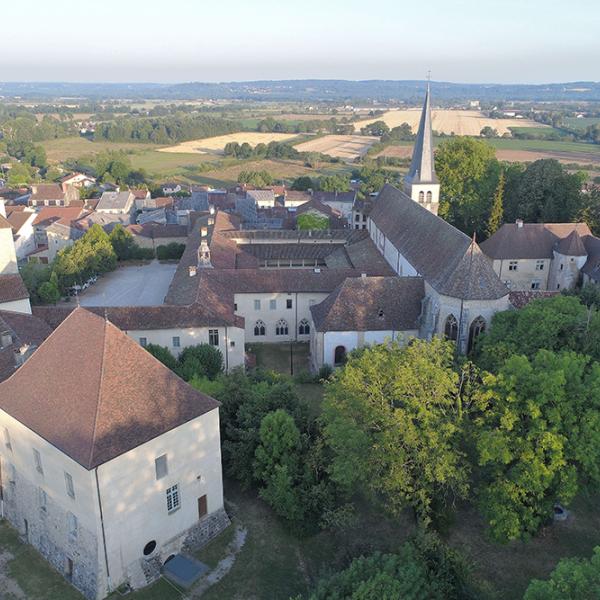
point(202, 360)
point(162, 353)
point(140, 253)
point(170, 251)
point(325, 372)
point(49, 293)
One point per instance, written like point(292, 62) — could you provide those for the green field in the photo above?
point(545, 146)
point(77, 146)
point(580, 124)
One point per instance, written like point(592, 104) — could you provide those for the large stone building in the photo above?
point(110, 463)
point(544, 256)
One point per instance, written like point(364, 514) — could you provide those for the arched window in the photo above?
point(421, 196)
point(281, 328)
point(339, 356)
point(429, 196)
point(303, 327)
point(451, 328)
point(259, 328)
point(476, 329)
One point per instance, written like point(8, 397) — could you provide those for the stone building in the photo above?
point(110, 463)
point(544, 256)
point(13, 293)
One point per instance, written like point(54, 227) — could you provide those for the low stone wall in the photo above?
point(206, 529)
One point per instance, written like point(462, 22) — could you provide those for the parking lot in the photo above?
point(144, 285)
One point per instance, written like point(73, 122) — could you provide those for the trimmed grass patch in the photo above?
point(216, 549)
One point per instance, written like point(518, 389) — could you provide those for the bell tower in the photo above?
point(421, 182)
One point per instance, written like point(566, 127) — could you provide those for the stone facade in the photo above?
point(45, 525)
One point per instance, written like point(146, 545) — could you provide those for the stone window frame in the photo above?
point(539, 265)
point(213, 337)
point(161, 466)
point(513, 265)
point(70, 487)
point(304, 327)
point(282, 327)
point(260, 329)
point(173, 498)
point(176, 341)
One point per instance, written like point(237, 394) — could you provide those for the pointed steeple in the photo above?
point(422, 169)
point(421, 182)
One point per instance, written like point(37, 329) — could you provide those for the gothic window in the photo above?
point(451, 328)
point(259, 328)
point(476, 329)
point(303, 327)
point(429, 197)
point(281, 327)
point(339, 356)
point(421, 196)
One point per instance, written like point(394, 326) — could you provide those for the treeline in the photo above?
point(25, 128)
point(479, 193)
point(164, 130)
point(342, 126)
point(270, 150)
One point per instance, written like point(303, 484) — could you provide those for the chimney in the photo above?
point(204, 231)
point(519, 223)
point(193, 270)
point(363, 275)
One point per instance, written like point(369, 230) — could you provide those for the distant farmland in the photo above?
point(459, 122)
point(216, 144)
point(347, 147)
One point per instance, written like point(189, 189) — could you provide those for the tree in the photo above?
point(537, 435)
point(378, 128)
point(422, 568)
point(590, 211)
point(162, 353)
point(18, 175)
point(303, 184)
point(202, 360)
point(488, 132)
point(391, 419)
point(495, 220)
point(307, 221)
point(277, 466)
point(468, 172)
point(572, 579)
point(49, 292)
point(334, 183)
point(545, 192)
point(122, 242)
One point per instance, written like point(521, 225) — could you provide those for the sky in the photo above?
point(508, 41)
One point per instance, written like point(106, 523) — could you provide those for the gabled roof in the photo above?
point(48, 214)
point(592, 264)
point(325, 197)
point(18, 218)
point(371, 304)
point(47, 191)
point(444, 256)
point(4, 224)
point(95, 394)
point(529, 240)
point(572, 245)
point(115, 200)
point(422, 168)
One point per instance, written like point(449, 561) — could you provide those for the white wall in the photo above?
point(25, 242)
point(22, 306)
point(8, 257)
point(233, 355)
point(134, 502)
point(396, 260)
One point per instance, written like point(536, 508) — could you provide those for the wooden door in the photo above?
point(202, 506)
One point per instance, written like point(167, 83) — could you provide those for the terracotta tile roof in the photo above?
point(139, 194)
point(12, 288)
point(47, 191)
point(123, 396)
point(371, 304)
point(439, 252)
point(18, 218)
point(530, 240)
point(521, 299)
point(131, 318)
point(49, 214)
point(4, 224)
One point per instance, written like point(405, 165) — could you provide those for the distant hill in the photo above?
point(306, 90)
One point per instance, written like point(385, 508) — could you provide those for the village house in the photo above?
point(13, 293)
point(77, 180)
point(52, 194)
point(544, 256)
point(116, 203)
point(152, 235)
point(21, 221)
point(110, 491)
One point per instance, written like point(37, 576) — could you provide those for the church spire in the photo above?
point(421, 182)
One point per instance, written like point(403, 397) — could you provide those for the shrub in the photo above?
point(202, 360)
point(162, 353)
point(325, 372)
point(140, 253)
point(170, 251)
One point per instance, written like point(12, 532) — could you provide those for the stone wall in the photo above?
point(48, 532)
point(206, 529)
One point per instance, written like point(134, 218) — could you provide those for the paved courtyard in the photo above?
point(144, 285)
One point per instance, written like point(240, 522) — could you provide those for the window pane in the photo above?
point(160, 465)
point(69, 485)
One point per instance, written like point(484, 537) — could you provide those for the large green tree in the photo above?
point(572, 579)
point(468, 172)
point(537, 435)
point(391, 418)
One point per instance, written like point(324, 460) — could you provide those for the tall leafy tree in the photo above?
point(468, 172)
point(392, 421)
point(497, 211)
point(537, 436)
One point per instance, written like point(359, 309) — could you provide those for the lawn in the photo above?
point(545, 146)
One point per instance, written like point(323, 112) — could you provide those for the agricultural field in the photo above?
point(73, 147)
point(580, 124)
point(461, 122)
point(347, 147)
point(215, 145)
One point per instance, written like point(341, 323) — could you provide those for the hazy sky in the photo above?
point(231, 40)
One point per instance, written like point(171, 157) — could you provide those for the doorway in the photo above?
point(202, 506)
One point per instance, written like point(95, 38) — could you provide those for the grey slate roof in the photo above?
point(422, 168)
point(592, 264)
point(572, 245)
point(371, 304)
point(114, 200)
point(439, 252)
point(530, 240)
